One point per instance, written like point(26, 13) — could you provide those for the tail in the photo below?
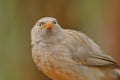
point(117, 72)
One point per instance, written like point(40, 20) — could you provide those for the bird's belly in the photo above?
point(61, 72)
point(63, 68)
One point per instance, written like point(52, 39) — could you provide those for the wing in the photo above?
point(88, 52)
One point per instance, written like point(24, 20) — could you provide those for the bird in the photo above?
point(66, 54)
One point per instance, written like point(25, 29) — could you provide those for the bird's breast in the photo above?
point(55, 62)
point(58, 65)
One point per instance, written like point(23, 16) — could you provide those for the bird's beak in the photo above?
point(48, 25)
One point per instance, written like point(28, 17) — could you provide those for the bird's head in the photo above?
point(47, 30)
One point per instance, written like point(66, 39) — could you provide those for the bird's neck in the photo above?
point(54, 37)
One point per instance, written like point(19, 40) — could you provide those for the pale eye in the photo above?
point(41, 23)
point(54, 22)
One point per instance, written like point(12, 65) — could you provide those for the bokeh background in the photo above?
point(99, 19)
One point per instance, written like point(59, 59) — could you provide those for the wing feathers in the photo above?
point(94, 55)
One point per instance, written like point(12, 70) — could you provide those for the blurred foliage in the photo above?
point(93, 17)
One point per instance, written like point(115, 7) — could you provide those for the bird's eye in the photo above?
point(41, 23)
point(54, 22)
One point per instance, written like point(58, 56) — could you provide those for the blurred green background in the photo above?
point(99, 19)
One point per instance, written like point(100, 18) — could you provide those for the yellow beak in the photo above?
point(48, 25)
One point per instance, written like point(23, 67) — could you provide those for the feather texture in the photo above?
point(64, 54)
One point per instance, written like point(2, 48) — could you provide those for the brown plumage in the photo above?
point(64, 54)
